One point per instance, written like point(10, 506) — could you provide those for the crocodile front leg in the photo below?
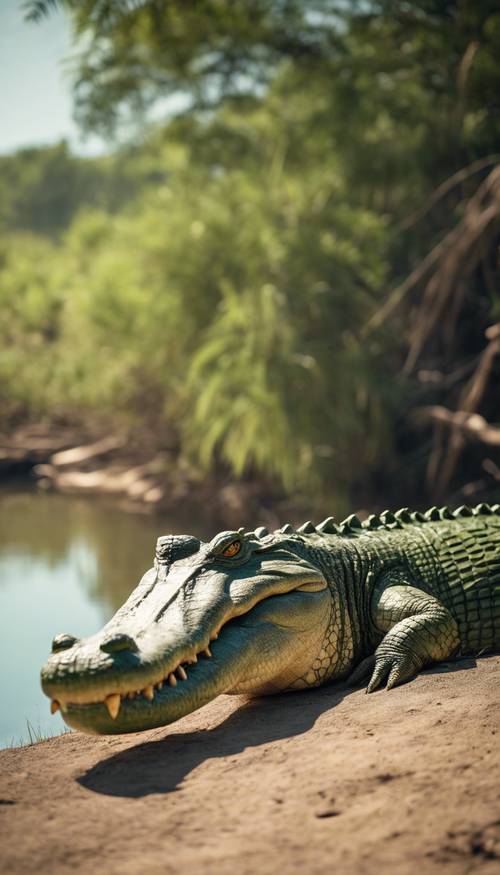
point(419, 630)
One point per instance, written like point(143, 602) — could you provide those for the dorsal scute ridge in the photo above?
point(373, 522)
point(351, 525)
point(432, 514)
point(387, 516)
point(445, 513)
point(481, 509)
point(387, 520)
point(403, 515)
point(390, 520)
point(327, 526)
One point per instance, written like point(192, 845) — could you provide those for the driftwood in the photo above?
point(59, 460)
point(111, 480)
point(77, 455)
point(31, 446)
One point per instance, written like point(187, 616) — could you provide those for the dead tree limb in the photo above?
point(472, 425)
point(447, 186)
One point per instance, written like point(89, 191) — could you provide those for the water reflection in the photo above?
point(66, 564)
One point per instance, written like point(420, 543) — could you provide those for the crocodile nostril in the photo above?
point(63, 642)
point(117, 642)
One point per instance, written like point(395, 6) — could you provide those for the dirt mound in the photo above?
point(328, 781)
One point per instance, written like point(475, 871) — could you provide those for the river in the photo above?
point(66, 564)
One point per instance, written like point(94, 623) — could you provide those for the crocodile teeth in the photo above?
point(114, 700)
point(112, 703)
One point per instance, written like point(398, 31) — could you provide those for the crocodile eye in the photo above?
point(231, 550)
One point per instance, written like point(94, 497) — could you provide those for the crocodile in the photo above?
point(260, 612)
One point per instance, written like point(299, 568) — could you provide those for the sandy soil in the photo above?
point(329, 781)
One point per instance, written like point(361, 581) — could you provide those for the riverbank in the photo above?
point(320, 781)
point(138, 474)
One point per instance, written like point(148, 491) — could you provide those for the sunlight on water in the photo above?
point(36, 599)
point(66, 564)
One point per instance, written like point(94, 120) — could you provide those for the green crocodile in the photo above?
point(259, 612)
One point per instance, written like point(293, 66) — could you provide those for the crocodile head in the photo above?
point(243, 613)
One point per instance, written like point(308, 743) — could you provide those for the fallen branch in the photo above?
point(89, 451)
point(472, 425)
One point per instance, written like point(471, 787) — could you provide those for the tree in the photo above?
point(331, 165)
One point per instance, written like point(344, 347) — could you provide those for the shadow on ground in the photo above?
point(458, 665)
point(160, 766)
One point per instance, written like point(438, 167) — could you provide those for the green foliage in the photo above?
point(135, 53)
point(426, 66)
point(42, 189)
point(30, 302)
point(218, 276)
point(223, 312)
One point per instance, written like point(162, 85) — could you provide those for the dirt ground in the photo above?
point(328, 781)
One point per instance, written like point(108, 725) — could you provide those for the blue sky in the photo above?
point(35, 86)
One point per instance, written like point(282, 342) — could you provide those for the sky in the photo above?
point(35, 86)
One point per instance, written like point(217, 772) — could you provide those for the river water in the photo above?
point(66, 564)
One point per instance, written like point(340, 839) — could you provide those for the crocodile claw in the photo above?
point(392, 667)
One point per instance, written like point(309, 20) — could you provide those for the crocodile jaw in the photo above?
point(251, 652)
point(264, 620)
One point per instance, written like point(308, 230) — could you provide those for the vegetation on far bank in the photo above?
point(290, 280)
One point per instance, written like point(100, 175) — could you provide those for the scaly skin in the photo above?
point(285, 611)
